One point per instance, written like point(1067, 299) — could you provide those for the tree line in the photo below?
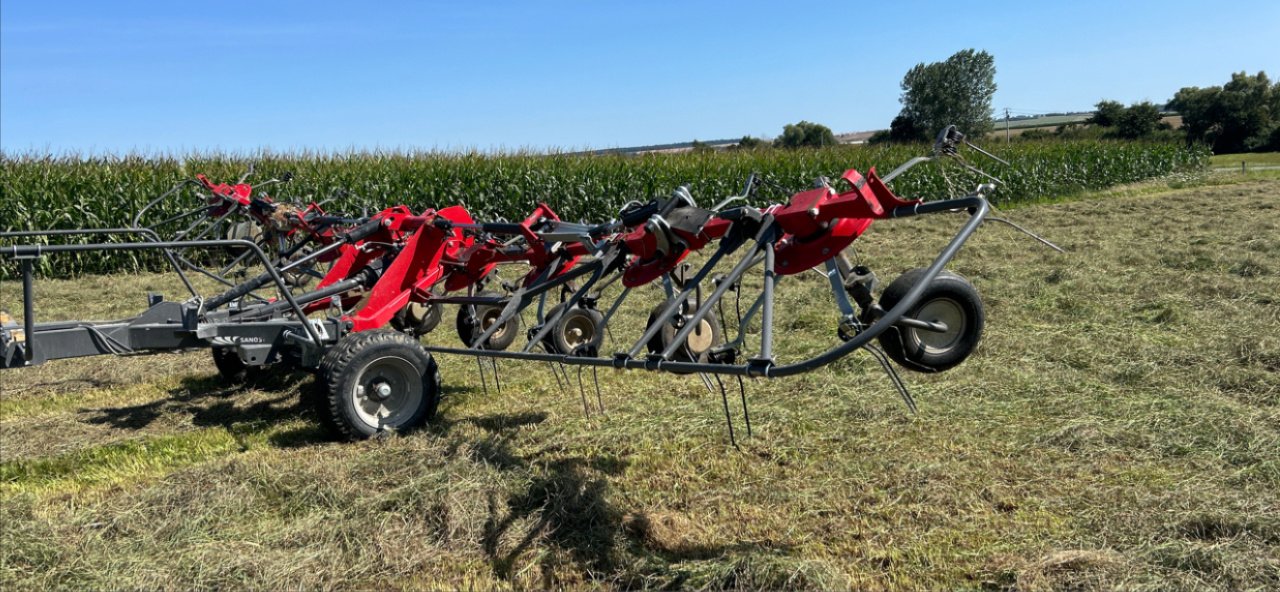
point(1240, 116)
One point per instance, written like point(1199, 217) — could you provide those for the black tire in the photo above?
point(699, 343)
point(378, 381)
point(579, 328)
point(231, 367)
point(417, 319)
point(474, 319)
point(950, 299)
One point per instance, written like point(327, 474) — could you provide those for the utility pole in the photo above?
point(1006, 126)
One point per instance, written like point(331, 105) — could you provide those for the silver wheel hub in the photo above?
point(578, 331)
point(388, 392)
point(940, 310)
point(700, 339)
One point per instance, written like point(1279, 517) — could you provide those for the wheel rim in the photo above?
point(940, 310)
point(577, 330)
point(701, 337)
point(487, 318)
point(387, 392)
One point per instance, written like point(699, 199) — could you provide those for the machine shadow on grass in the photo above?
point(565, 504)
point(568, 496)
point(211, 401)
point(564, 500)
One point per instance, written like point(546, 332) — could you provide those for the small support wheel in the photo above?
point(475, 319)
point(697, 347)
point(378, 381)
point(298, 277)
point(232, 369)
point(949, 299)
point(578, 328)
point(417, 318)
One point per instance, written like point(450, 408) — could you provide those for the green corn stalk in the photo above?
point(70, 191)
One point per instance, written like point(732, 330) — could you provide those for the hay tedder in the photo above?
point(350, 297)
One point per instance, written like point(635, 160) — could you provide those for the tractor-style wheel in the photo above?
point(475, 319)
point(949, 299)
point(417, 319)
point(697, 347)
point(378, 381)
point(578, 328)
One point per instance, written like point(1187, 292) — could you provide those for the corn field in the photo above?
point(43, 192)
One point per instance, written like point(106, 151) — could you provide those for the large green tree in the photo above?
point(1238, 116)
point(1138, 120)
point(805, 133)
point(955, 91)
point(1107, 113)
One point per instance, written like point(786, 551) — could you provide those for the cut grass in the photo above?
point(1119, 427)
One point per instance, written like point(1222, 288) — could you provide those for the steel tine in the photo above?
point(564, 371)
point(496, 382)
point(480, 366)
point(746, 414)
point(595, 377)
point(880, 356)
point(555, 373)
point(706, 382)
point(728, 420)
point(1033, 235)
point(586, 410)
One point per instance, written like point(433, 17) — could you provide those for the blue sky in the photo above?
point(95, 77)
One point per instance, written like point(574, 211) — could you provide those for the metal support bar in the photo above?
point(705, 307)
point(270, 309)
point(766, 316)
point(144, 232)
point(21, 251)
point(550, 323)
point(766, 230)
point(523, 297)
point(614, 307)
point(835, 274)
point(28, 311)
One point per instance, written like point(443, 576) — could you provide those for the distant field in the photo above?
point(1052, 124)
point(1118, 428)
point(1051, 121)
point(1234, 160)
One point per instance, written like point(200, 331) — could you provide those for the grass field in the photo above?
point(1234, 160)
point(1119, 427)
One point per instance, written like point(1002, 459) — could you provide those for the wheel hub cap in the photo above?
point(947, 312)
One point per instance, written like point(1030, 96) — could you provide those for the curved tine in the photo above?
point(483, 381)
point(746, 194)
point(894, 377)
point(595, 377)
point(1028, 233)
point(586, 410)
point(497, 383)
point(728, 419)
point(987, 154)
point(556, 374)
point(746, 415)
point(138, 216)
point(172, 219)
